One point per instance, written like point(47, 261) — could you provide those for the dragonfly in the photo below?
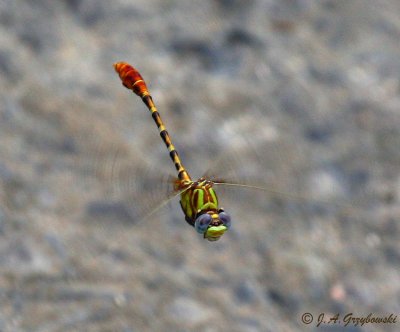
point(198, 198)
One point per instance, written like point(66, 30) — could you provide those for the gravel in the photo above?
point(301, 97)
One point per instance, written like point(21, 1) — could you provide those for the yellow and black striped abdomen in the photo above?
point(132, 80)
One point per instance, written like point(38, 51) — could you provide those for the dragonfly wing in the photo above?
point(141, 187)
point(115, 175)
point(252, 165)
point(272, 164)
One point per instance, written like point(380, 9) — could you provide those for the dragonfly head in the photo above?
point(212, 224)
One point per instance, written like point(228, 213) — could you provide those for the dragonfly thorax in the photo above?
point(199, 197)
point(199, 203)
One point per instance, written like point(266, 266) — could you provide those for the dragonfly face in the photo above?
point(212, 225)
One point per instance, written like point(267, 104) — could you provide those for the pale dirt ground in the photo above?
point(299, 96)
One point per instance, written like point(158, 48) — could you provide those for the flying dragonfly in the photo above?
point(198, 198)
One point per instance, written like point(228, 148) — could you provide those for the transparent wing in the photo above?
point(142, 188)
point(266, 162)
point(119, 180)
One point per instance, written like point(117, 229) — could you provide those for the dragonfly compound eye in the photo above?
point(202, 222)
point(225, 218)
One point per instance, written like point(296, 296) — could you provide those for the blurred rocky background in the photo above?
point(299, 96)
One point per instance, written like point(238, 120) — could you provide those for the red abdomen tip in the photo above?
point(131, 78)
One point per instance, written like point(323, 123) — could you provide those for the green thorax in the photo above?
point(200, 196)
